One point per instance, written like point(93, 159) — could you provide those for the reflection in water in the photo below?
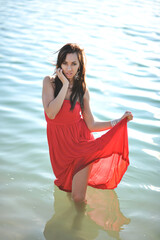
point(105, 211)
point(83, 221)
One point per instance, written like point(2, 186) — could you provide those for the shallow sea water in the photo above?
point(122, 44)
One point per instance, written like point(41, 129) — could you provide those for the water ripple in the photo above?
point(121, 41)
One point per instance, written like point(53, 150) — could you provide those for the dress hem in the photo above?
point(100, 186)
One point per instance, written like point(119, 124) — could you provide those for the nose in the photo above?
point(69, 67)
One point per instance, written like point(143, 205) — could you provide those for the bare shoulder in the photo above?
point(49, 81)
point(47, 91)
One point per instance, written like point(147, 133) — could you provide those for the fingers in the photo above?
point(129, 115)
point(127, 112)
point(61, 75)
point(59, 70)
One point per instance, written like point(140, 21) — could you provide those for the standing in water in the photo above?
point(76, 157)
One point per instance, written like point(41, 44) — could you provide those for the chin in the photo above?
point(71, 79)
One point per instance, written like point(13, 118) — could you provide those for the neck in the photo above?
point(71, 81)
point(70, 84)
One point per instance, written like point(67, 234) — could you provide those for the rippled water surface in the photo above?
point(122, 43)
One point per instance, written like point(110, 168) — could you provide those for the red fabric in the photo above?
point(72, 147)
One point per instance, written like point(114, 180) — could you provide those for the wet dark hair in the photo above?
point(79, 86)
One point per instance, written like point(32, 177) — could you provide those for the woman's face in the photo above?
point(70, 66)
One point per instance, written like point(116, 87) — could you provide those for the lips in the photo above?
point(68, 74)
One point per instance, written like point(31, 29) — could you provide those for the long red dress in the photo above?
point(72, 147)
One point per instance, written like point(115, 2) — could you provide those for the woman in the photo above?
point(77, 158)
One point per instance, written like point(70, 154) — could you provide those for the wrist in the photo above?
point(66, 84)
point(114, 122)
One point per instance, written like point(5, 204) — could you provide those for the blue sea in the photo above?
point(121, 40)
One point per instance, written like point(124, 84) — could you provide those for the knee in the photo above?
point(78, 198)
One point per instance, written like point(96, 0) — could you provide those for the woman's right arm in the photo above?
point(53, 105)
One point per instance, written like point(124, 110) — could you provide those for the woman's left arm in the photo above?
point(95, 126)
